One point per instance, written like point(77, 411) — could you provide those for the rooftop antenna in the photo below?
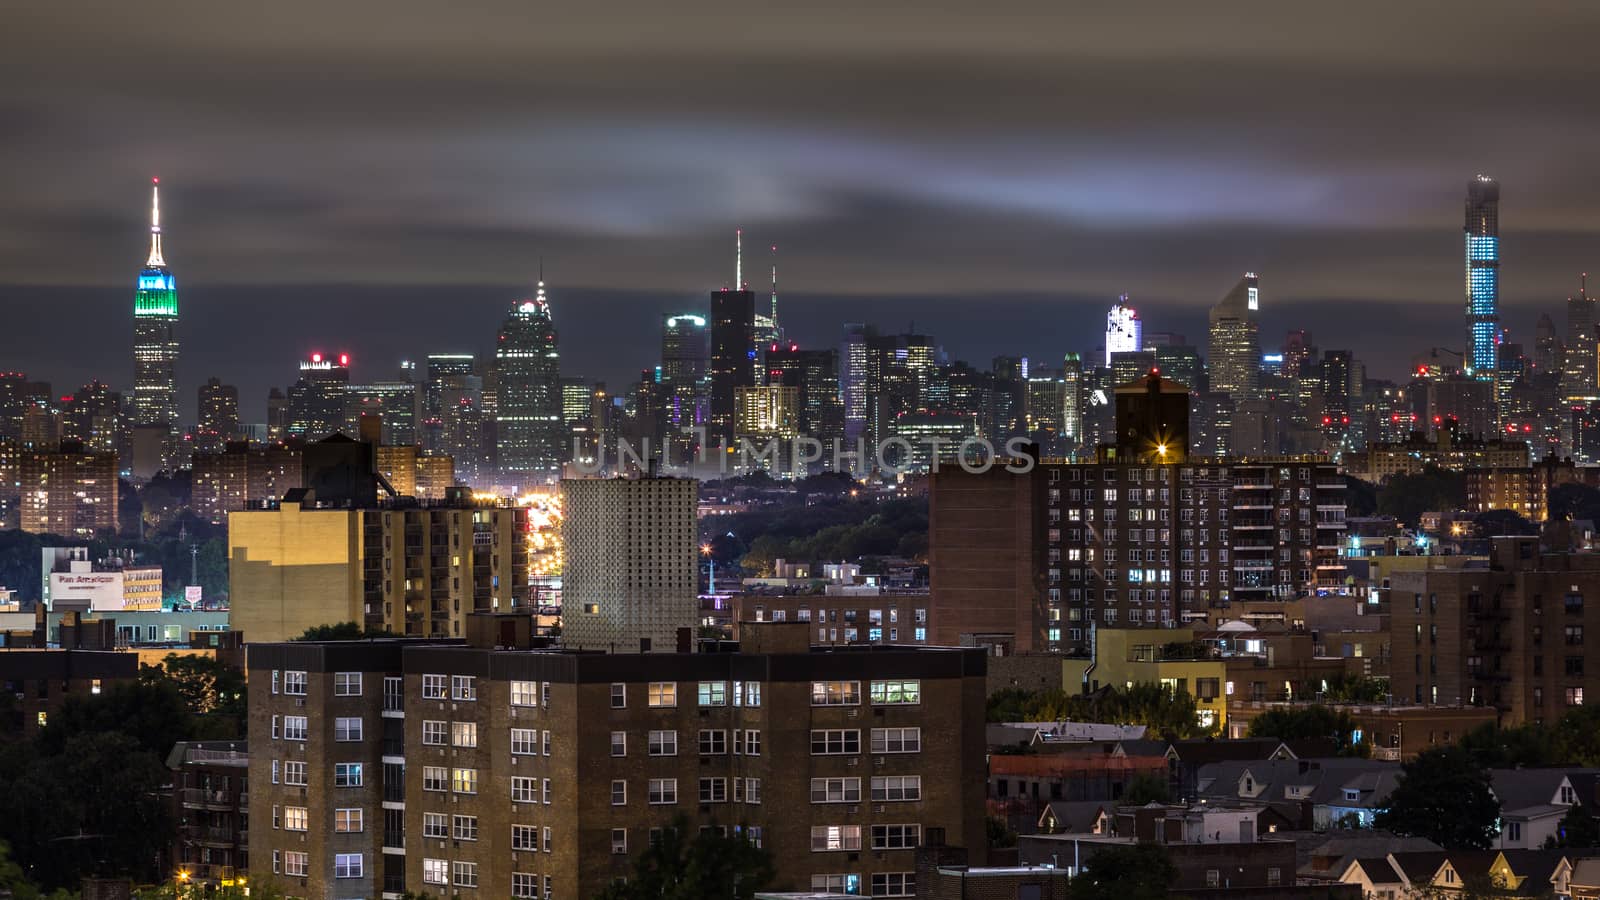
point(738, 259)
point(155, 260)
point(774, 287)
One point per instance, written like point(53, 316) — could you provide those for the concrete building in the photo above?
point(631, 555)
point(240, 477)
point(412, 570)
point(389, 766)
point(70, 492)
point(875, 618)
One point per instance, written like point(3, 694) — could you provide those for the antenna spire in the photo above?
point(738, 259)
point(774, 287)
point(155, 259)
point(541, 270)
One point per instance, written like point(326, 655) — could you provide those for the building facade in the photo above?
point(631, 555)
point(416, 570)
point(392, 766)
point(70, 492)
point(530, 436)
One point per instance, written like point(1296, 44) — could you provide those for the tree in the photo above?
point(1578, 828)
point(212, 689)
point(1443, 795)
point(94, 808)
point(1160, 709)
point(1497, 522)
point(1310, 722)
point(343, 631)
point(1407, 496)
point(1146, 788)
point(1357, 689)
point(1574, 501)
point(1141, 872)
point(152, 714)
point(677, 867)
point(998, 833)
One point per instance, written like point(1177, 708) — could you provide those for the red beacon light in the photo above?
point(344, 359)
point(316, 357)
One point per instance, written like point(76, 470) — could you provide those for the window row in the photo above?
point(831, 741)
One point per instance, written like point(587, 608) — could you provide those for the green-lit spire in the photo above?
point(158, 290)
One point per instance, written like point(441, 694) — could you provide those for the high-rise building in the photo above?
point(155, 343)
point(411, 570)
point(71, 491)
point(240, 477)
point(1546, 346)
point(1580, 373)
point(511, 771)
point(315, 405)
point(218, 419)
point(439, 366)
point(815, 373)
point(733, 354)
point(630, 563)
point(1482, 232)
point(530, 437)
point(92, 416)
point(1071, 402)
point(1124, 330)
point(853, 387)
point(393, 403)
point(1234, 367)
point(684, 342)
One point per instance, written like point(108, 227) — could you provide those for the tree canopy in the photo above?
point(677, 866)
point(342, 631)
point(1164, 712)
point(1443, 795)
point(1140, 872)
point(1574, 739)
point(1311, 722)
point(1408, 496)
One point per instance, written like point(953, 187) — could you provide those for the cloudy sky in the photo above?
point(384, 178)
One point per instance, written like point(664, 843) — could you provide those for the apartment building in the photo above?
point(242, 476)
point(1119, 545)
point(399, 765)
point(881, 618)
point(1506, 631)
point(71, 491)
point(211, 801)
point(417, 568)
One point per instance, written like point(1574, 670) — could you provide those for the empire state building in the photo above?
point(155, 355)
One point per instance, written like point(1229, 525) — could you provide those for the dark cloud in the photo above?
point(996, 172)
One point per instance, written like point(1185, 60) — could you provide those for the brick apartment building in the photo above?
point(211, 800)
point(43, 678)
point(1507, 631)
point(1028, 561)
point(392, 765)
point(885, 618)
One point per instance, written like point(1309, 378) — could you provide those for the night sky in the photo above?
point(384, 178)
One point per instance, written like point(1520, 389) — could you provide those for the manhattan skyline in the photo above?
point(1115, 159)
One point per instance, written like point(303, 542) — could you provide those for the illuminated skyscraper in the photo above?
point(315, 405)
point(155, 343)
point(853, 366)
point(1235, 364)
point(218, 421)
point(683, 369)
point(733, 354)
point(530, 435)
point(1482, 275)
point(440, 367)
point(1124, 331)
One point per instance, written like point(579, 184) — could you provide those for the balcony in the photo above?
point(198, 798)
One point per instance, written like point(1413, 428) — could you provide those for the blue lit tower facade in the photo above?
point(155, 344)
point(1483, 275)
point(530, 436)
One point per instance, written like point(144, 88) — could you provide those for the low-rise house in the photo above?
point(1532, 804)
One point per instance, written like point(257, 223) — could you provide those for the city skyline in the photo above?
point(1187, 164)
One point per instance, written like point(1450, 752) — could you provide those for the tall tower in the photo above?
point(733, 347)
point(1235, 349)
point(155, 345)
point(1482, 275)
point(530, 434)
point(1124, 331)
